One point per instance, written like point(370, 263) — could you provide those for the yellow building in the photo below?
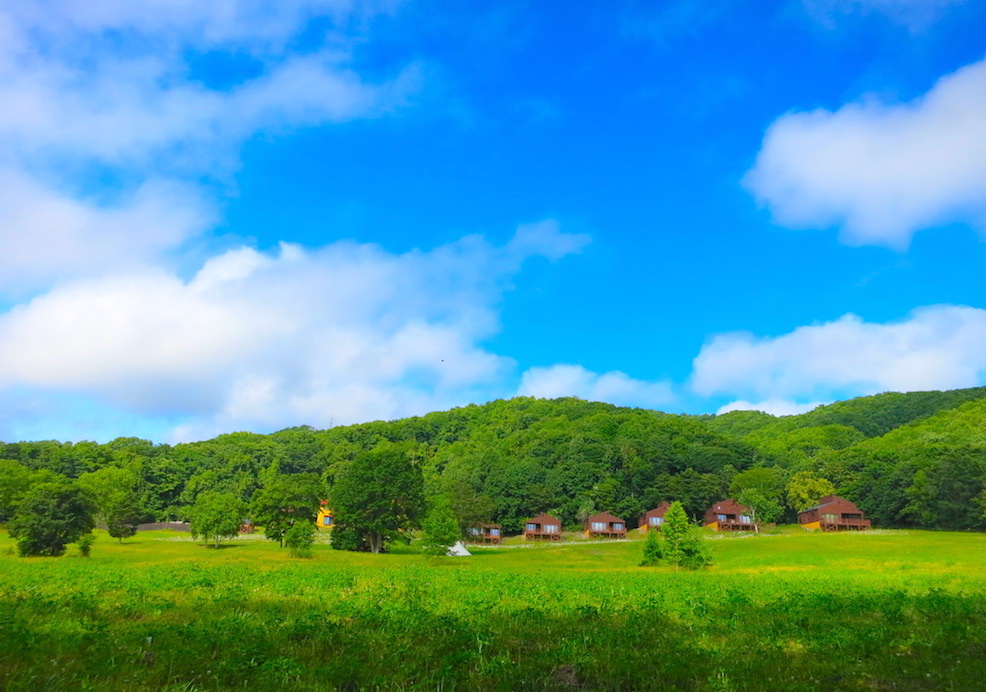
point(324, 518)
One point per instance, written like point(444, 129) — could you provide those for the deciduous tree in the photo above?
point(285, 501)
point(48, 517)
point(216, 516)
point(441, 530)
point(805, 490)
point(378, 498)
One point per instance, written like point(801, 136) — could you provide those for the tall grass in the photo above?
point(901, 611)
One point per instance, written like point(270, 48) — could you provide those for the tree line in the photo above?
point(906, 459)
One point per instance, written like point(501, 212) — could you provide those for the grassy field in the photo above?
point(873, 611)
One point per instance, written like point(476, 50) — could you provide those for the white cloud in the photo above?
point(881, 171)
point(133, 111)
point(107, 90)
point(344, 333)
point(936, 347)
point(775, 407)
point(47, 236)
point(611, 387)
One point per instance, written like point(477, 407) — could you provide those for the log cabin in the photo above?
point(605, 525)
point(729, 515)
point(542, 526)
point(834, 513)
point(487, 533)
point(654, 518)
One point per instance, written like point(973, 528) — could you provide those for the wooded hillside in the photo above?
point(916, 459)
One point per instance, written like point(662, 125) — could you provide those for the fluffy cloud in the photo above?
point(344, 333)
point(881, 171)
point(611, 387)
point(937, 347)
point(47, 236)
point(117, 85)
point(108, 91)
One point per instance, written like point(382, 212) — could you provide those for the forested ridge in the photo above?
point(916, 459)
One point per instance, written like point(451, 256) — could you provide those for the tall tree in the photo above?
point(15, 482)
point(116, 498)
point(805, 490)
point(48, 517)
point(216, 516)
point(762, 507)
point(284, 501)
point(441, 530)
point(378, 498)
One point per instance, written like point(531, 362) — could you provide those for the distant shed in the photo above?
point(834, 513)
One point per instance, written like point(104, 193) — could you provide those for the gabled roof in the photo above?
point(606, 517)
point(659, 510)
point(829, 500)
point(543, 519)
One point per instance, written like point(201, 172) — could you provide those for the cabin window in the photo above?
point(829, 517)
point(656, 521)
point(852, 516)
point(326, 521)
point(532, 527)
point(474, 532)
point(745, 519)
point(551, 528)
point(617, 526)
point(721, 517)
point(494, 532)
point(598, 526)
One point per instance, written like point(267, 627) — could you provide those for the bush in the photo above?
point(653, 553)
point(85, 544)
point(300, 538)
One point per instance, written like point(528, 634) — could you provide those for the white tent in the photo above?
point(458, 550)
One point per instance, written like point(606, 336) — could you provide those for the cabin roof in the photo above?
point(659, 510)
point(543, 519)
point(830, 500)
point(605, 516)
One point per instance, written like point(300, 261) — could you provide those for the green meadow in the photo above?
point(885, 610)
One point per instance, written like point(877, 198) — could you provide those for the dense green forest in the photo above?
point(916, 459)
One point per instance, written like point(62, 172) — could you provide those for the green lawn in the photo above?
point(871, 611)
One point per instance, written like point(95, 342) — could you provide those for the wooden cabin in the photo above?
point(605, 525)
point(729, 515)
point(487, 533)
point(834, 513)
point(654, 519)
point(323, 520)
point(544, 527)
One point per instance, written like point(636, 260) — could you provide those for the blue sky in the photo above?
point(245, 216)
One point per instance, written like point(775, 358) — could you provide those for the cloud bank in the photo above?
point(612, 387)
point(881, 171)
point(935, 347)
point(343, 333)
